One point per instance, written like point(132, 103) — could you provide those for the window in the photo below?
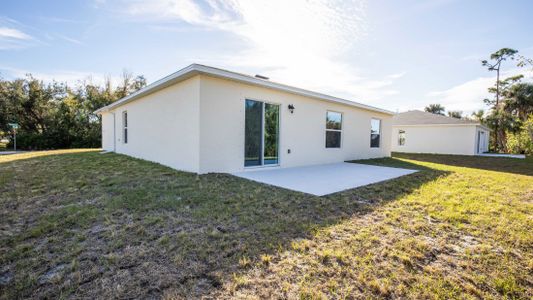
point(333, 129)
point(375, 133)
point(125, 126)
point(401, 137)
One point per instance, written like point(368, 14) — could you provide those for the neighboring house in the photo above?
point(203, 119)
point(422, 132)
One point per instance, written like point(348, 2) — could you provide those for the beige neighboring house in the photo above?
point(203, 119)
point(422, 132)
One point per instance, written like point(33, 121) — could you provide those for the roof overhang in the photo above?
point(442, 125)
point(197, 69)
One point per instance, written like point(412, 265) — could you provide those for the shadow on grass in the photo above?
point(145, 230)
point(499, 164)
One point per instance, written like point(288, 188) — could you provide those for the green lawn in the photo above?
point(80, 224)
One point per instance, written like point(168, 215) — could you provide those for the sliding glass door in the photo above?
point(261, 137)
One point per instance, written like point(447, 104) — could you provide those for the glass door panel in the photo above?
point(271, 134)
point(253, 133)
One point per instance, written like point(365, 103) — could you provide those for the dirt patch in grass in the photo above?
point(91, 225)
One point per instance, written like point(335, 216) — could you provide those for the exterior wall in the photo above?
point(162, 127)
point(482, 145)
point(108, 131)
point(438, 139)
point(303, 132)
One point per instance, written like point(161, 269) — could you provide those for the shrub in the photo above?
point(521, 141)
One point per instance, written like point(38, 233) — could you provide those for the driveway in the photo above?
point(320, 180)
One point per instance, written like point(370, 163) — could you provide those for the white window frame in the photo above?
point(337, 130)
point(400, 131)
point(380, 123)
point(125, 127)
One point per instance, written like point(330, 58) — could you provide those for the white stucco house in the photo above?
point(422, 132)
point(203, 119)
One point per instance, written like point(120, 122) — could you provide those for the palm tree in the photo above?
point(435, 109)
point(455, 114)
point(479, 116)
point(519, 100)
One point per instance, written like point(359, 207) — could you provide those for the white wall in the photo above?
point(222, 127)
point(162, 127)
point(107, 131)
point(441, 139)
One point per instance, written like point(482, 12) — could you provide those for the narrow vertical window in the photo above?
point(333, 129)
point(375, 133)
point(401, 137)
point(125, 126)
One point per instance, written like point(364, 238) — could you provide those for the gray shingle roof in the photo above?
point(417, 117)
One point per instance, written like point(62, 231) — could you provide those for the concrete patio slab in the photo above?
point(10, 152)
point(520, 156)
point(320, 180)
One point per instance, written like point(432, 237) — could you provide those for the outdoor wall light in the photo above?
point(291, 108)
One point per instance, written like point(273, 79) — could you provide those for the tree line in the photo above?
point(56, 115)
point(510, 109)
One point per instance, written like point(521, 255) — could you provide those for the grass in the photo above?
point(80, 224)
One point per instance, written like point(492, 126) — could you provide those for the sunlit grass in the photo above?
point(81, 224)
point(34, 154)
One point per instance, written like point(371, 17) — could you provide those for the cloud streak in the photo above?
point(11, 37)
point(11, 33)
point(297, 42)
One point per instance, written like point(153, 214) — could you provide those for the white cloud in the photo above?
point(64, 76)
point(469, 95)
point(297, 42)
point(11, 33)
point(397, 75)
point(11, 37)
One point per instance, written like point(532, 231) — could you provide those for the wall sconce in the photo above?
point(291, 108)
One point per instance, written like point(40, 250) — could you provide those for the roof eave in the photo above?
point(196, 69)
point(443, 124)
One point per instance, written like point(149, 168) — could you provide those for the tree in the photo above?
point(479, 116)
point(522, 140)
point(519, 100)
point(435, 109)
point(455, 114)
point(129, 84)
point(498, 57)
point(55, 115)
point(495, 65)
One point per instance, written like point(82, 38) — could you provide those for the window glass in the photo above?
point(253, 133)
point(333, 139)
point(271, 134)
point(401, 137)
point(125, 126)
point(333, 129)
point(375, 132)
point(334, 120)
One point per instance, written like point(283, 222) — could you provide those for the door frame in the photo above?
point(262, 158)
point(481, 140)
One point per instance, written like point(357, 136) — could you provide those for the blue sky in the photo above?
point(397, 55)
